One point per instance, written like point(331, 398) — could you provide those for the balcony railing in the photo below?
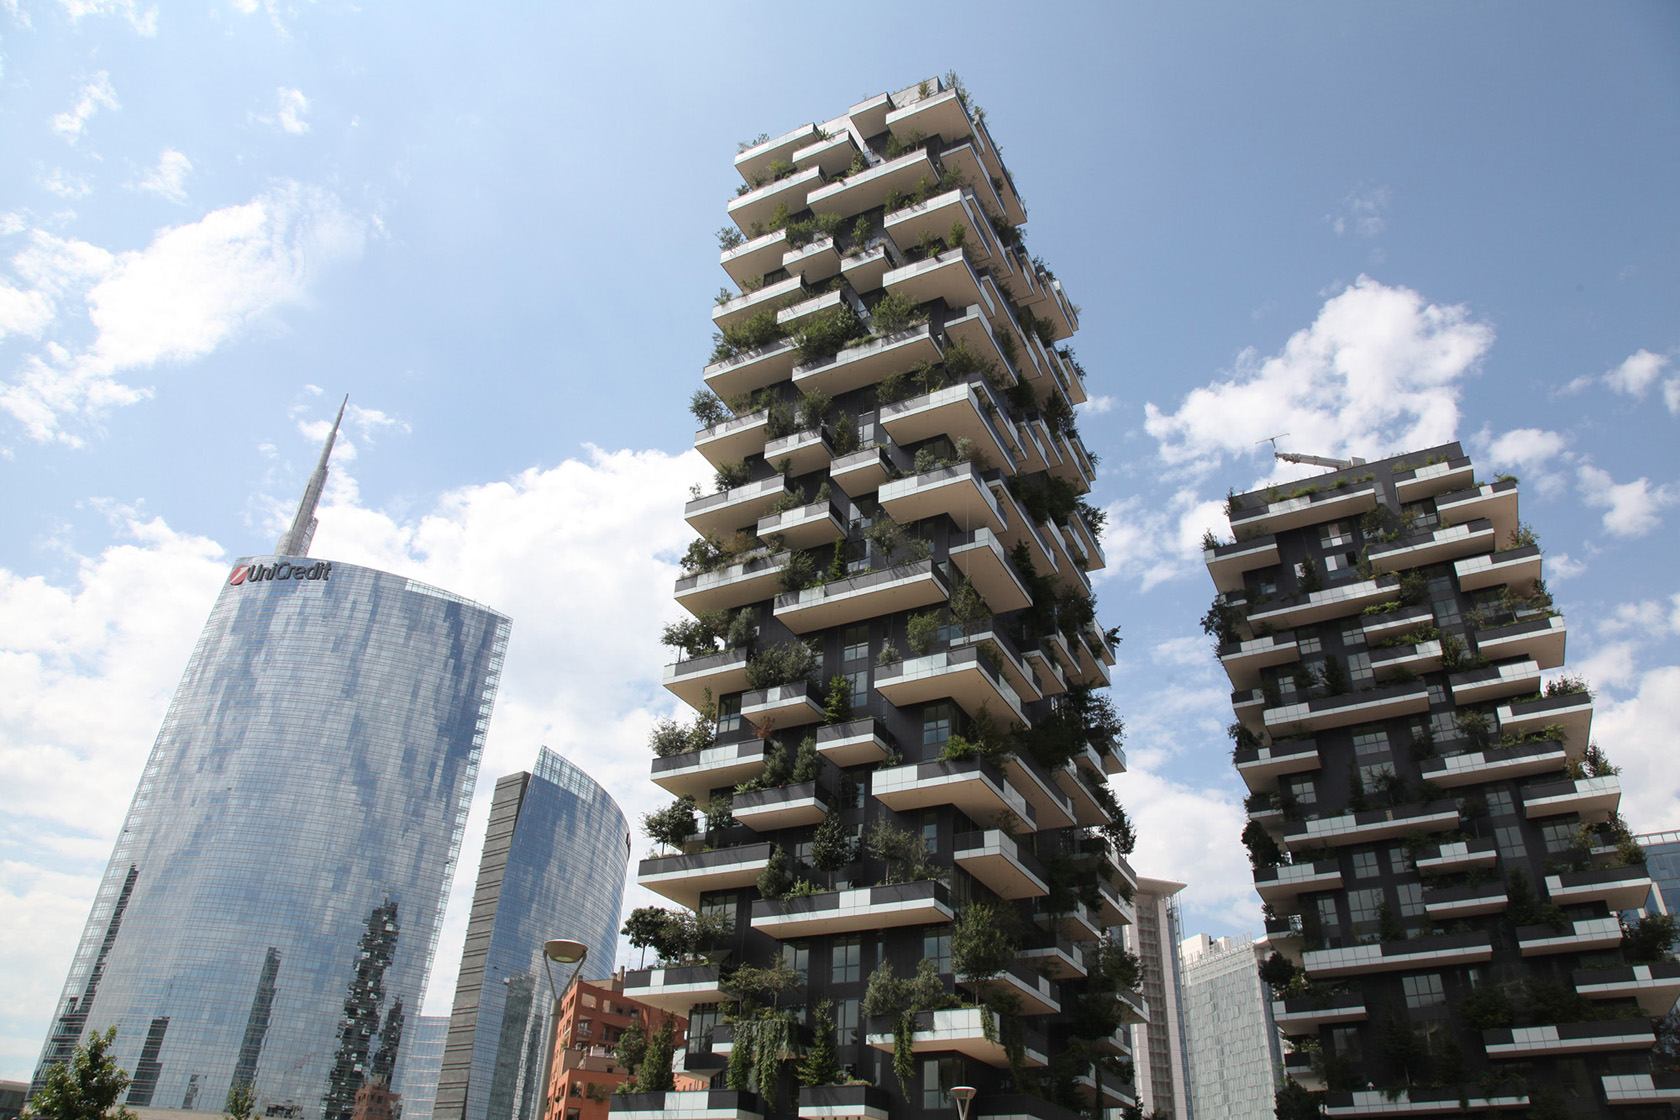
point(1448, 903)
point(862, 472)
point(759, 204)
point(675, 989)
point(1619, 888)
point(982, 557)
point(888, 591)
point(854, 743)
point(733, 439)
point(851, 911)
point(1306, 1014)
point(803, 452)
point(805, 526)
point(843, 1102)
point(1582, 936)
point(1399, 956)
point(1038, 995)
point(956, 411)
point(743, 306)
point(867, 362)
point(1494, 764)
point(751, 581)
point(1372, 825)
point(1286, 882)
point(751, 260)
point(1498, 682)
point(1229, 563)
point(1573, 712)
point(1517, 568)
point(868, 189)
point(1244, 660)
point(789, 705)
point(1541, 640)
point(1308, 509)
point(957, 491)
point(1324, 712)
point(722, 513)
point(962, 675)
point(1641, 1088)
point(1436, 547)
point(698, 772)
point(698, 1104)
point(1417, 659)
point(994, 858)
point(716, 675)
point(1261, 767)
point(682, 878)
point(1569, 1038)
point(1458, 855)
point(1655, 986)
point(752, 369)
point(1445, 477)
point(974, 786)
point(791, 806)
point(965, 1031)
point(1344, 600)
point(1496, 501)
point(1593, 798)
point(1418, 1101)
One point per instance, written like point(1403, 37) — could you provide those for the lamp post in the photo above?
point(560, 951)
point(964, 1095)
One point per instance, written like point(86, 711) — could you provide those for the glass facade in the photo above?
point(416, 1085)
point(1232, 1044)
point(269, 913)
point(556, 857)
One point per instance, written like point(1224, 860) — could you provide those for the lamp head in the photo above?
point(963, 1093)
point(563, 951)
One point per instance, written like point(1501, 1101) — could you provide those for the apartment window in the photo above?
point(585, 1028)
point(1336, 534)
point(847, 963)
point(1340, 561)
point(1424, 990)
point(1303, 791)
point(1421, 516)
point(845, 1022)
point(930, 830)
point(1363, 907)
point(855, 644)
point(1399, 862)
point(701, 1020)
point(938, 1075)
point(1444, 599)
point(936, 723)
point(936, 947)
point(1499, 803)
point(1262, 585)
point(1365, 865)
point(1308, 641)
point(858, 681)
point(1353, 636)
point(722, 905)
point(797, 956)
point(1411, 899)
point(1560, 837)
point(1359, 670)
point(1327, 917)
point(729, 714)
point(1508, 839)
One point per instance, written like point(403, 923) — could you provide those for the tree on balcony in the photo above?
point(787, 663)
point(674, 825)
point(983, 944)
point(904, 853)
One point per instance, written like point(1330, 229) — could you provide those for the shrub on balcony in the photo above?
point(824, 334)
point(904, 853)
point(673, 825)
point(807, 763)
point(1263, 851)
point(837, 703)
point(668, 738)
point(820, 1065)
point(675, 936)
point(758, 329)
point(775, 879)
point(1649, 940)
point(983, 943)
point(832, 846)
point(799, 573)
point(706, 408)
point(923, 630)
point(732, 474)
point(886, 996)
point(896, 312)
point(1220, 623)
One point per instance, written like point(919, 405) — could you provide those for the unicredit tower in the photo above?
point(270, 911)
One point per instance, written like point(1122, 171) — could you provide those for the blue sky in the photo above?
point(1363, 225)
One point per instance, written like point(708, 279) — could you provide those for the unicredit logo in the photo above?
point(261, 573)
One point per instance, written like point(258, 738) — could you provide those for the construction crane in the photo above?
point(1309, 460)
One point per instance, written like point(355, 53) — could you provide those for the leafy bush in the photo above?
point(706, 408)
point(923, 630)
point(778, 665)
point(673, 825)
point(774, 880)
point(824, 334)
point(895, 312)
point(813, 409)
point(732, 474)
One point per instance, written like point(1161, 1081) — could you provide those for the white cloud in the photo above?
point(1158, 543)
point(95, 94)
point(51, 268)
point(1638, 734)
point(193, 288)
point(1637, 373)
point(293, 106)
point(1361, 212)
point(1671, 395)
point(1560, 566)
point(1631, 509)
point(66, 185)
point(1377, 373)
point(1188, 835)
point(143, 20)
point(167, 180)
point(1096, 406)
point(1526, 448)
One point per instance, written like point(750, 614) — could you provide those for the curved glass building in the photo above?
point(556, 857)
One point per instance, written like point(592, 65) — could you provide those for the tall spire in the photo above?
point(295, 541)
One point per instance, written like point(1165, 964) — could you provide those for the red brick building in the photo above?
point(584, 1072)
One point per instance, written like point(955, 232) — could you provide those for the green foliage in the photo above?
point(813, 409)
point(1523, 536)
point(982, 942)
point(1487, 1008)
point(837, 704)
point(86, 1087)
point(1295, 1103)
point(653, 1074)
point(706, 408)
point(1279, 972)
point(758, 329)
point(799, 573)
point(821, 1066)
point(831, 844)
point(1221, 621)
point(720, 812)
point(767, 984)
point(1650, 940)
point(823, 335)
point(895, 312)
point(787, 663)
point(241, 1100)
point(774, 880)
point(923, 629)
point(904, 853)
point(890, 539)
point(889, 654)
point(732, 474)
point(1263, 851)
point(807, 763)
point(673, 825)
point(730, 238)
point(698, 636)
point(632, 1047)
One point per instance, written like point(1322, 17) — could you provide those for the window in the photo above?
point(1308, 641)
point(845, 1022)
point(847, 963)
point(936, 947)
point(1359, 670)
point(722, 905)
point(1344, 1041)
point(797, 956)
point(701, 1020)
point(1508, 839)
point(1353, 635)
point(856, 644)
point(1336, 534)
point(1303, 791)
point(936, 723)
point(1499, 803)
point(1445, 601)
point(1399, 862)
point(1363, 907)
point(930, 830)
point(1424, 990)
point(585, 1028)
point(1365, 865)
point(858, 680)
point(1560, 837)
point(729, 714)
point(938, 1075)
point(1411, 899)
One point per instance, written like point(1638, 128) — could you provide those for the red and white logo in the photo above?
point(239, 574)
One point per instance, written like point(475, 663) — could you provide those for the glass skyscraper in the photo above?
point(1232, 1043)
point(270, 911)
point(556, 852)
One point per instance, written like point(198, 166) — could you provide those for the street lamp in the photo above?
point(561, 951)
point(964, 1095)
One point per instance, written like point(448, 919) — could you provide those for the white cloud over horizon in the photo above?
point(1631, 509)
point(168, 179)
point(96, 94)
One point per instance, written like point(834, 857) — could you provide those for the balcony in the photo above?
point(1078, 923)
point(1513, 678)
point(771, 810)
point(1572, 712)
point(1074, 781)
point(759, 205)
point(966, 159)
point(956, 490)
point(752, 369)
point(1070, 577)
point(957, 411)
point(982, 558)
point(1301, 1066)
point(948, 276)
point(1541, 640)
point(833, 154)
point(843, 1102)
point(973, 329)
point(1447, 903)
point(749, 262)
point(790, 318)
point(855, 743)
point(1619, 888)
point(1496, 502)
point(1584, 936)
point(995, 859)
point(815, 262)
point(676, 989)
point(1373, 825)
point(1641, 1088)
point(789, 705)
point(864, 267)
point(1306, 1014)
point(1052, 681)
point(1059, 957)
point(1460, 855)
point(862, 472)
point(999, 649)
point(1417, 1101)
point(1324, 712)
point(1308, 509)
point(1516, 568)
point(733, 439)
point(1445, 477)
point(1018, 529)
point(1113, 910)
point(697, 1104)
point(1249, 706)
point(939, 114)
point(720, 514)
point(1569, 1038)
point(1655, 986)
point(869, 116)
point(1452, 543)
point(803, 452)
point(697, 773)
point(936, 217)
point(716, 675)
point(1283, 884)
point(973, 1032)
point(682, 878)
point(888, 591)
point(734, 311)
point(962, 675)
point(1344, 600)
point(1494, 764)
point(852, 911)
point(805, 526)
point(867, 362)
point(1399, 956)
point(751, 581)
point(868, 189)
point(1053, 808)
point(1379, 628)
point(1095, 559)
point(1594, 798)
point(976, 787)
point(1244, 660)
point(1418, 659)
point(1037, 995)
point(754, 163)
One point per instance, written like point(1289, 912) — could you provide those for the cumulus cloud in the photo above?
point(1530, 452)
point(1638, 733)
point(1096, 406)
point(167, 180)
point(1204, 856)
point(193, 288)
point(1155, 543)
point(1637, 373)
point(293, 105)
point(143, 20)
point(1631, 509)
point(1378, 372)
point(96, 94)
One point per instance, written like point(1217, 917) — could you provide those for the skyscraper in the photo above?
point(912, 850)
point(1434, 833)
point(1231, 1042)
point(555, 853)
point(1158, 1045)
point(270, 909)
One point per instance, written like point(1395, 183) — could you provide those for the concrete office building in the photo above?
point(1232, 1045)
point(270, 910)
point(1158, 1045)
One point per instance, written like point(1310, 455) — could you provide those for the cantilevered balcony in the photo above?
point(1249, 706)
point(1304, 1015)
point(1114, 909)
point(1324, 712)
point(1494, 764)
point(1655, 986)
point(852, 911)
point(733, 439)
point(1019, 529)
point(1569, 1038)
point(1417, 659)
point(1582, 936)
point(759, 204)
point(1436, 547)
point(1399, 956)
point(965, 158)
point(748, 262)
point(833, 153)
point(1058, 956)
point(1418, 1101)
point(1445, 904)
point(970, 1031)
point(682, 878)
point(974, 786)
point(721, 514)
point(736, 585)
point(1446, 477)
point(947, 276)
point(713, 675)
point(1090, 545)
point(790, 705)
point(1619, 888)
point(697, 773)
point(1498, 682)
point(866, 265)
point(803, 452)
point(1261, 767)
point(791, 806)
point(1287, 882)
point(862, 471)
point(999, 648)
point(1571, 712)
point(1495, 501)
point(938, 216)
point(792, 317)
point(752, 369)
point(693, 1104)
point(1070, 577)
point(1389, 625)
point(939, 114)
point(1244, 660)
point(962, 675)
point(1344, 600)
point(1641, 1088)
point(1541, 640)
point(1517, 568)
point(1052, 678)
point(754, 162)
point(995, 859)
point(972, 327)
point(855, 743)
point(1038, 995)
point(1456, 855)
point(888, 591)
point(957, 411)
point(676, 989)
point(1075, 782)
point(843, 1102)
point(868, 189)
point(983, 559)
point(867, 362)
point(744, 306)
point(1595, 799)
point(1372, 825)
point(955, 490)
point(1305, 1068)
point(1052, 807)
point(805, 526)
point(1308, 509)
